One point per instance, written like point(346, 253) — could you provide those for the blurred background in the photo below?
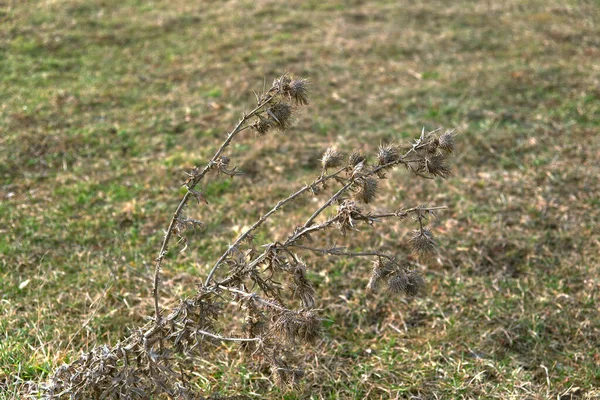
point(104, 105)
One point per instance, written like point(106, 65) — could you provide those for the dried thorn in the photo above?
point(198, 195)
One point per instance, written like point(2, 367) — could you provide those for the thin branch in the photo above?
point(197, 178)
point(253, 296)
point(338, 251)
point(405, 212)
point(328, 203)
point(341, 191)
point(227, 339)
point(262, 219)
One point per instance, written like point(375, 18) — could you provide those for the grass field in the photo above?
point(104, 105)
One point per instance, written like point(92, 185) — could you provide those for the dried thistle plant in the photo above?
point(280, 305)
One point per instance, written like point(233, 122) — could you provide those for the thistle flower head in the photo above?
point(446, 141)
point(297, 90)
point(367, 190)
point(301, 287)
point(263, 125)
point(281, 84)
point(331, 158)
point(304, 325)
point(422, 241)
point(432, 147)
point(379, 272)
point(416, 283)
point(398, 283)
point(347, 212)
point(356, 158)
point(410, 283)
point(387, 153)
point(281, 114)
point(437, 165)
point(311, 327)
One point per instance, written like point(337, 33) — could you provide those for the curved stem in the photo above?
point(197, 178)
point(262, 219)
point(229, 339)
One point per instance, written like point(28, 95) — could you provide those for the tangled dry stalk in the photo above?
point(268, 281)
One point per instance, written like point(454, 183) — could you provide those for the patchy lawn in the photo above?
point(104, 105)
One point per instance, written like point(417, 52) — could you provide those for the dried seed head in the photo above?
point(294, 89)
point(387, 153)
point(373, 284)
point(331, 158)
point(380, 271)
point(281, 114)
point(297, 90)
point(422, 241)
point(282, 83)
point(367, 190)
point(224, 161)
point(304, 325)
point(301, 287)
point(286, 326)
point(398, 283)
point(273, 261)
point(358, 169)
point(348, 212)
point(437, 165)
point(410, 283)
point(356, 158)
point(416, 283)
point(263, 125)
point(432, 147)
point(447, 141)
point(311, 328)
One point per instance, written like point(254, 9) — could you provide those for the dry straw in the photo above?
point(268, 282)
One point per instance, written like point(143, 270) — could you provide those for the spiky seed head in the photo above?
point(387, 153)
point(349, 207)
point(446, 141)
point(398, 284)
point(382, 268)
point(310, 326)
point(294, 89)
point(437, 165)
point(297, 91)
point(331, 158)
point(422, 241)
point(379, 272)
point(416, 283)
point(432, 147)
point(286, 326)
point(282, 83)
point(281, 114)
point(304, 325)
point(358, 169)
point(367, 190)
point(263, 125)
point(356, 158)
point(373, 284)
point(301, 287)
point(347, 213)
